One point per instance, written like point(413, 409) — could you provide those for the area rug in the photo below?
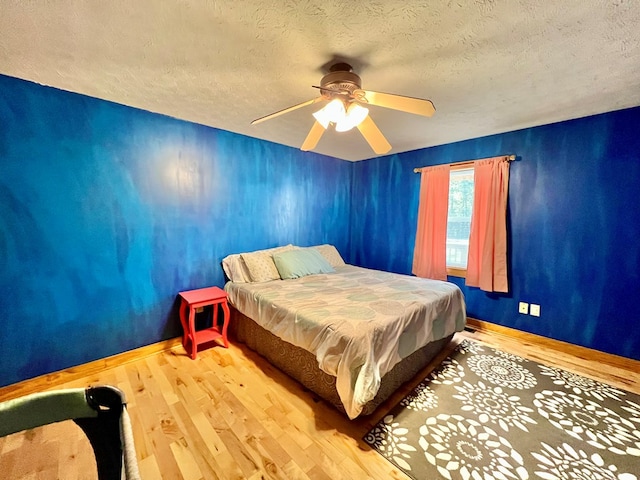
point(490, 415)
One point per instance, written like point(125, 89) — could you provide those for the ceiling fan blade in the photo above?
point(313, 137)
point(374, 136)
point(286, 110)
point(418, 106)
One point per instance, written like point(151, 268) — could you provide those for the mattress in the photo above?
point(358, 323)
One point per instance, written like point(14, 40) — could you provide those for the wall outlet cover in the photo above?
point(523, 307)
point(535, 310)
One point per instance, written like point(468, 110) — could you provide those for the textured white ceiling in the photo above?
point(489, 66)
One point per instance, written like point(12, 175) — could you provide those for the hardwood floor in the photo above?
point(231, 415)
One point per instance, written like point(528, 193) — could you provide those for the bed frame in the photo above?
point(303, 365)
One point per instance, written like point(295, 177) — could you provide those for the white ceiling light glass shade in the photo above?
point(344, 120)
point(332, 112)
point(354, 117)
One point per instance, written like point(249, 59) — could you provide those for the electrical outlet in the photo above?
point(523, 307)
point(535, 310)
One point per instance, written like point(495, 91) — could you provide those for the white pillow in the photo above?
point(235, 269)
point(331, 254)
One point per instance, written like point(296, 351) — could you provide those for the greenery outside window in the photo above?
point(459, 218)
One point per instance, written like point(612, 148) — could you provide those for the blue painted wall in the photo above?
point(107, 212)
point(574, 214)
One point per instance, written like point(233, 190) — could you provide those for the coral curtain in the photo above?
point(429, 254)
point(487, 262)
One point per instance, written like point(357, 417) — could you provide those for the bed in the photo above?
point(350, 334)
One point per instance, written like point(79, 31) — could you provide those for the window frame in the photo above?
point(457, 271)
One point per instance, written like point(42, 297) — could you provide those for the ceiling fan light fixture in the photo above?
point(332, 112)
point(343, 89)
point(354, 117)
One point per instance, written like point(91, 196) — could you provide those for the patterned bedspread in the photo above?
point(357, 322)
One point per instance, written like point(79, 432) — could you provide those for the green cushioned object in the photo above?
point(43, 408)
point(301, 262)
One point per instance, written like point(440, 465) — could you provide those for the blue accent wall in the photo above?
point(574, 215)
point(108, 211)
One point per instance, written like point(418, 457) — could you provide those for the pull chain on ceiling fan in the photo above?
point(346, 109)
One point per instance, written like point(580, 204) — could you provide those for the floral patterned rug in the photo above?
point(490, 415)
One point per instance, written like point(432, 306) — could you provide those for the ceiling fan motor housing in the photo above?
point(340, 81)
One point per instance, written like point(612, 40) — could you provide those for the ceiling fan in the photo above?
point(346, 108)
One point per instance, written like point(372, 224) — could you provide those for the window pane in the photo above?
point(459, 219)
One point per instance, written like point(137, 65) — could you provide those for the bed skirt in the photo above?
point(303, 366)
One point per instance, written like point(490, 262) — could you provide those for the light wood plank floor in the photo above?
point(231, 415)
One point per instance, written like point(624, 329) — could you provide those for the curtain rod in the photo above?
point(509, 158)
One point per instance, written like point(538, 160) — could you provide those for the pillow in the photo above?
point(331, 254)
point(236, 270)
point(284, 248)
point(260, 266)
point(301, 262)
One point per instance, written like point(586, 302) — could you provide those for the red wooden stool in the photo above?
point(202, 297)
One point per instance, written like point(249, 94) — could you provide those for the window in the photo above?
point(446, 245)
point(459, 219)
